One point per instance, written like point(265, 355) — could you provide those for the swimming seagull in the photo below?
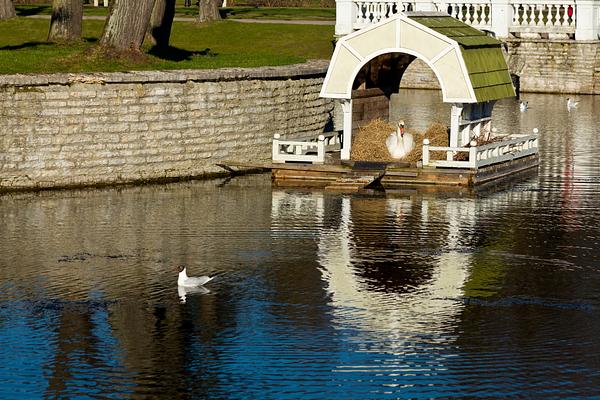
point(183, 291)
point(191, 281)
point(523, 105)
point(571, 103)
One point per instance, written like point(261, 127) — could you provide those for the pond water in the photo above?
point(320, 295)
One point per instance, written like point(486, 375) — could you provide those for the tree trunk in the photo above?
point(65, 24)
point(126, 25)
point(159, 30)
point(7, 9)
point(209, 10)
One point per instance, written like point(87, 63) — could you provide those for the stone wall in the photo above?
point(555, 66)
point(66, 130)
point(367, 105)
point(546, 66)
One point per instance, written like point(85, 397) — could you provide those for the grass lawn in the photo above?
point(23, 47)
point(279, 13)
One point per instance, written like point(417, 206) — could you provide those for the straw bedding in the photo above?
point(369, 142)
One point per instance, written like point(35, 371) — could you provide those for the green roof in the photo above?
point(482, 54)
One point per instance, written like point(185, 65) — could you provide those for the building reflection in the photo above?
point(396, 260)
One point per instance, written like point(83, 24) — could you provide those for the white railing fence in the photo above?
point(479, 156)
point(578, 19)
point(310, 151)
point(370, 12)
point(552, 17)
point(477, 13)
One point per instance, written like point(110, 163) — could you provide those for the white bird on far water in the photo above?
point(571, 103)
point(191, 281)
point(523, 105)
point(399, 143)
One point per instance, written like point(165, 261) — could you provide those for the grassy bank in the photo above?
point(23, 47)
point(278, 13)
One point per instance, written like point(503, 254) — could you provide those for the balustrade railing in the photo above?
point(477, 13)
point(536, 18)
point(372, 11)
point(479, 156)
point(550, 16)
point(309, 151)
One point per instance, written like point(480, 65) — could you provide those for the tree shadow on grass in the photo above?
point(25, 45)
point(32, 45)
point(176, 54)
point(27, 11)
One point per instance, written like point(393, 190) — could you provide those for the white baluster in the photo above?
point(544, 9)
point(358, 12)
point(527, 15)
point(537, 15)
point(563, 16)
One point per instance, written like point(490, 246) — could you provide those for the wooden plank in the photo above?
point(401, 173)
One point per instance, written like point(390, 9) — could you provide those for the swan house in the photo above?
point(367, 67)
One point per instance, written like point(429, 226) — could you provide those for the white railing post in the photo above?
point(455, 117)
point(345, 16)
point(321, 149)
point(425, 152)
point(502, 16)
point(275, 155)
point(425, 5)
point(347, 135)
point(473, 154)
point(588, 20)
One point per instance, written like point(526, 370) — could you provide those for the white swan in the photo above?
point(523, 105)
point(191, 281)
point(399, 143)
point(571, 103)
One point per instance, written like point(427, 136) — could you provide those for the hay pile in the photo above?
point(369, 142)
point(437, 134)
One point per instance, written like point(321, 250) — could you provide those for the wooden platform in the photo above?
point(355, 176)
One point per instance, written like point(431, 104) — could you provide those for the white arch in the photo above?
point(395, 50)
point(399, 34)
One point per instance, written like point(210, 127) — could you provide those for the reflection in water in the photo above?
point(184, 291)
point(390, 299)
point(324, 295)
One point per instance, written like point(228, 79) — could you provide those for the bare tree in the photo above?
point(126, 25)
point(209, 10)
point(161, 21)
point(7, 9)
point(65, 24)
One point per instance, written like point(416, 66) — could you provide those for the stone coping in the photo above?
point(312, 68)
point(559, 41)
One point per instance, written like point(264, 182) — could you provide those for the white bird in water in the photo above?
point(523, 105)
point(183, 291)
point(571, 103)
point(191, 281)
point(399, 143)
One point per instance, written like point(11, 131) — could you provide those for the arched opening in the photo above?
point(377, 93)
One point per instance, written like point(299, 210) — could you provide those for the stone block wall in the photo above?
point(553, 66)
point(367, 105)
point(66, 130)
